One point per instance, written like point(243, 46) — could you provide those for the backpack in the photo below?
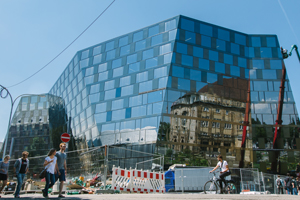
point(278, 182)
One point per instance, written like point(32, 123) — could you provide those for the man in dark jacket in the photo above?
point(288, 184)
point(21, 168)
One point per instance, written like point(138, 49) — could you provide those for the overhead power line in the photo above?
point(64, 48)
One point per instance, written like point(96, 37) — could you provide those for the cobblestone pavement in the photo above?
point(159, 196)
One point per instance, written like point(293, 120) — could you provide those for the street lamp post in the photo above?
point(4, 93)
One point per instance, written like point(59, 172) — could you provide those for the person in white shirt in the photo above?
point(224, 170)
point(51, 166)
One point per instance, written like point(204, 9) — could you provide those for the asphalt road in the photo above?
point(159, 196)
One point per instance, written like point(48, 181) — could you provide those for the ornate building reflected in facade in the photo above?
point(178, 86)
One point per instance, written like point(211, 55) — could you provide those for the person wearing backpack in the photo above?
point(279, 185)
point(294, 186)
point(288, 184)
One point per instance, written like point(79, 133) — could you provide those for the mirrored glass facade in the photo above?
point(181, 86)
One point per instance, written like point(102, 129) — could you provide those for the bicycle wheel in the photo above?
point(230, 189)
point(210, 187)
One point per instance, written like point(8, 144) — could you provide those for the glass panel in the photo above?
point(288, 109)
point(156, 40)
point(256, 41)
point(140, 77)
point(109, 85)
point(110, 94)
point(165, 49)
point(205, 41)
point(184, 84)
point(94, 89)
point(118, 72)
point(140, 45)
point(187, 24)
point(97, 59)
point(213, 55)
point(223, 34)
point(271, 96)
point(265, 52)
point(123, 41)
point(125, 81)
point(160, 72)
point(138, 111)
point(195, 75)
point(170, 25)
point(258, 64)
point(242, 62)
point(269, 74)
point(203, 64)
point(84, 54)
point(172, 35)
point(262, 108)
point(240, 39)
point(145, 86)
point(271, 42)
point(168, 58)
point(220, 67)
point(260, 85)
point(110, 55)
point(116, 63)
point(181, 48)
point(276, 64)
point(128, 90)
point(190, 37)
point(89, 79)
point(155, 96)
point(103, 76)
point(198, 52)
point(147, 54)
point(234, 71)
point(235, 48)
point(97, 50)
point(212, 78)
point(84, 63)
point(153, 30)
point(134, 68)
point(100, 118)
point(109, 45)
point(228, 59)
point(125, 50)
point(100, 107)
point(102, 67)
point(89, 71)
point(138, 36)
point(132, 58)
point(135, 101)
point(178, 71)
point(118, 114)
point(152, 62)
point(187, 60)
point(221, 45)
point(206, 30)
point(162, 82)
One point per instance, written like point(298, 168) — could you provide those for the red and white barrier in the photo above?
point(137, 181)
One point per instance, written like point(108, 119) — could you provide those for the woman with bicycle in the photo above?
point(224, 170)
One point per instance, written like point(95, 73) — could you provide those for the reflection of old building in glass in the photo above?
point(178, 85)
point(213, 105)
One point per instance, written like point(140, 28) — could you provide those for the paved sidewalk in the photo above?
point(159, 196)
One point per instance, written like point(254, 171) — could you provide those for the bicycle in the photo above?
point(212, 186)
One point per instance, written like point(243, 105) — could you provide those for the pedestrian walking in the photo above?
point(279, 184)
point(3, 172)
point(288, 184)
point(62, 167)
point(21, 168)
point(51, 166)
point(294, 186)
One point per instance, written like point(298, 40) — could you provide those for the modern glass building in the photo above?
point(177, 86)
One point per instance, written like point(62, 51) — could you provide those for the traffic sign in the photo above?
point(65, 137)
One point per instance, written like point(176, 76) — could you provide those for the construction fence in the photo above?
point(97, 163)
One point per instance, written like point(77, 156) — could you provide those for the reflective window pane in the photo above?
point(109, 45)
point(125, 50)
point(153, 30)
point(223, 34)
point(123, 41)
point(140, 45)
point(205, 41)
point(140, 77)
point(102, 67)
point(116, 63)
point(134, 68)
point(187, 24)
point(170, 25)
point(152, 62)
point(138, 36)
point(147, 54)
point(206, 30)
point(156, 39)
point(204, 64)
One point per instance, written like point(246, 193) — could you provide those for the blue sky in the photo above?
point(33, 32)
